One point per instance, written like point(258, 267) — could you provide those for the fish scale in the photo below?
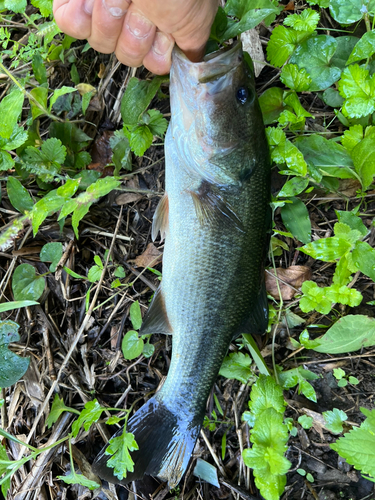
point(215, 216)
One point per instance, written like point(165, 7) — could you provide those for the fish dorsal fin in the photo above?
point(257, 321)
point(156, 319)
point(211, 207)
point(160, 221)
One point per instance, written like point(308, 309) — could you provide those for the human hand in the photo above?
point(139, 31)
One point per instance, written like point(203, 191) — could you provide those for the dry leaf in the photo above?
point(126, 198)
point(150, 257)
point(290, 280)
point(289, 6)
point(252, 44)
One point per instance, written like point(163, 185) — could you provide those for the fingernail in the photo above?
point(162, 44)
point(116, 8)
point(139, 25)
point(88, 6)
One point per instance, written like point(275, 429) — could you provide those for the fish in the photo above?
point(215, 217)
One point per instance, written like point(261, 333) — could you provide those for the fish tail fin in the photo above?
point(165, 444)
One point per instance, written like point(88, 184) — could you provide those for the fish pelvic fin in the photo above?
point(165, 444)
point(161, 218)
point(156, 319)
point(211, 207)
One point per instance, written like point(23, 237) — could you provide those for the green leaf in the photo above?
point(315, 55)
point(18, 195)
point(89, 415)
point(94, 273)
point(338, 373)
point(7, 236)
point(358, 447)
point(332, 98)
point(266, 394)
point(364, 258)
point(39, 69)
point(364, 161)
point(237, 366)
point(327, 249)
point(17, 6)
point(314, 298)
point(58, 93)
point(295, 78)
point(343, 271)
point(364, 49)
point(137, 98)
point(12, 367)
point(57, 408)
point(340, 339)
point(306, 21)
point(52, 252)
point(358, 90)
point(157, 123)
point(296, 219)
point(282, 44)
point(25, 284)
point(148, 350)
point(345, 46)
point(135, 315)
point(40, 95)
point(327, 156)
point(305, 421)
point(119, 447)
point(350, 11)
point(255, 353)
point(45, 6)
point(294, 186)
point(140, 139)
point(272, 104)
point(284, 152)
point(352, 137)
point(74, 478)
point(324, 4)
point(10, 306)
point(10, 110)
point(343, 295)
point(132, 345)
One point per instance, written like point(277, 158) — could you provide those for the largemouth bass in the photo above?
point(215, 216)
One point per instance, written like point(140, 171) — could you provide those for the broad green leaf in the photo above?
point(364, 160)
point(45, 6)
point(340, 338)
point(74, 478)
point(314, 298)
point(364, 259)
point(364, 49)
point(120, 447)
point(334, 420)
point(121, 151)
point(352, 137)
point(350, 11)
point(272, 104)
point(17, 6)
point(352, 220)
point(10, 306)
point(324, 4)
point(315, 55)
point(327, 249)
point(265, 394)
point(57, 408)
point(10, 110)
point(6, 161)
point(285, 152)
point(94, 273)
point(135, 315)
point(296, 219)
point(282, 44)
point(343, 271)
point(39, 69)
point(332, 98)
point(157, 123)
point(343, 295)
point(52, 252)
point(294, 186)
point(305, 421)
point(12, 367)
point(137, 98)
point(327, 156)
point(237, 366)
point(40, 95)
point(345, 46)
point(306, 21)
point(295, 78)
point(25, 284)
point(58, 93)
point(140, 139)
point(89, 415)
point(358, 90)
point(132, 345)
point(18, 195)
point(148, 350)
point(358, 448)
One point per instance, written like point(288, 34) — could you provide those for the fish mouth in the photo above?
point(214, 66)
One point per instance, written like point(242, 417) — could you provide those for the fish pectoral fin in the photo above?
point(257, 322)
point(156, 319)
point(161, 217)
point(211, 207)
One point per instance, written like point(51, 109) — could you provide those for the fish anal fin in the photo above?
point(161, 217)
point(257, 321)
point(211, 207)
point(156, 319)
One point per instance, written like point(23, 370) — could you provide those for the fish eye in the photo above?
point(242, 95)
